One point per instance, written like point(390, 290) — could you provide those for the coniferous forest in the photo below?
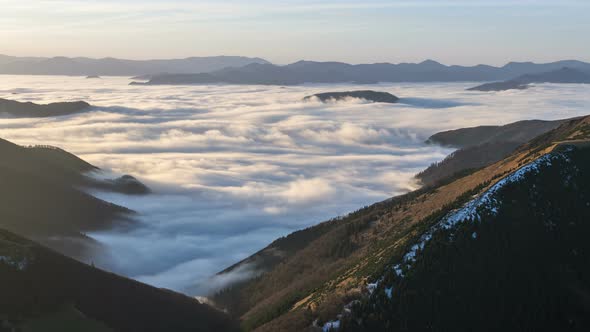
point(522, 269)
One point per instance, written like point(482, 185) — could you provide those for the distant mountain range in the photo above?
point(117, 67)
point(337, 72)
point(248, 70)
point(562, 75)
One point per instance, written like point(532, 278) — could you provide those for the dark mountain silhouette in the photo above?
point(45, 291)
point(117, 67)
point(533, 203)
point(368, 95)
point(500, 86)
point(563, 75)
point(41, 197)
point(28, 109)
point(126, 184)
point(337, 72)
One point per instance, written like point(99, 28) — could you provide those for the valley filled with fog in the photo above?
point(234, 167)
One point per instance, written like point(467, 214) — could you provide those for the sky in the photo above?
point(284, 31)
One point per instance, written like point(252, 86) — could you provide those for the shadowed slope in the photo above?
point(41, 196)
point(38, 284)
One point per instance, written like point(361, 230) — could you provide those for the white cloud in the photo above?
point(308, 191)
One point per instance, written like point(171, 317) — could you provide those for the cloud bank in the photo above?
point(234, 167)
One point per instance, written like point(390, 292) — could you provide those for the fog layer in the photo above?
point(234, 167)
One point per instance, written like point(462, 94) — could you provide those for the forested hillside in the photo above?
point(45, 291)
point(516, 260)
point(314, 281)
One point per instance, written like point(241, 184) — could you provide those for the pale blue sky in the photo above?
point(282, 31)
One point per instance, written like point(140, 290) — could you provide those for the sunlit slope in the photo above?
point(514, 258)
point(315, 278)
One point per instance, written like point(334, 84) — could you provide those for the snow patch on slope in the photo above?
point(18, 263)
point(485, 203)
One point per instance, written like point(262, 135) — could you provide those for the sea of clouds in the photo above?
point(234, 167)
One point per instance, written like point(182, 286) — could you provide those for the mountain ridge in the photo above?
point(337, 72)
point(52, 181)
point(522, 82)
point(82, 66)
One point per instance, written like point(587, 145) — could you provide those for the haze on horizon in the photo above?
point(452, 32)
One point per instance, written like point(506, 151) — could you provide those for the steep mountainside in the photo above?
point(45, 291)
point(326, 269)
point(41, 197)
point(512, 259)
point(338, 72)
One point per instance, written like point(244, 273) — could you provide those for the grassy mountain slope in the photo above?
point(314, 281)
point(42, 290)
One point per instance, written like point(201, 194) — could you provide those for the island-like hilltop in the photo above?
point(32, 110)
point(369, 95)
